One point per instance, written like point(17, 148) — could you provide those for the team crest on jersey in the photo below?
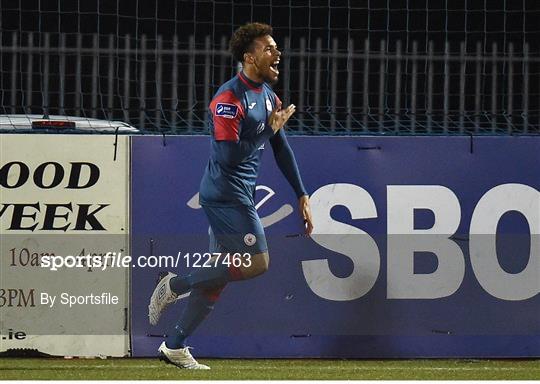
point(268, 105)
point(250, 239)
point(228, 111)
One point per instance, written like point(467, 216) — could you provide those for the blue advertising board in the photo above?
point(403, 262)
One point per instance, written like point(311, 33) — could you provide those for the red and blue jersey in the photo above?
point(238, 118)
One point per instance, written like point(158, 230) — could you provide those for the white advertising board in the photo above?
point(64, 214)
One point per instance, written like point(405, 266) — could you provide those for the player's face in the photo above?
point(266, 58)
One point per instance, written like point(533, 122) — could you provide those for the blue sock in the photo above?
point(205, 278)
point(200, 304)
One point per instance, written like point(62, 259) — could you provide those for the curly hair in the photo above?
point(242, 39)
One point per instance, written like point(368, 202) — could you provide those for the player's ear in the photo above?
point(248, 58)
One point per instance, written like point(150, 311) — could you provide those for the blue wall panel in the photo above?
point(279, 315)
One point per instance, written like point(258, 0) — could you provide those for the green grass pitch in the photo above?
point(264, 369)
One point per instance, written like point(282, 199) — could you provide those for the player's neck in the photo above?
point(251, 75)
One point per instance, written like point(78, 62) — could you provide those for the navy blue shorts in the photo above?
point(235, 229)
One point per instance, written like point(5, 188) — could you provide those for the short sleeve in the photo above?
point(227, 113)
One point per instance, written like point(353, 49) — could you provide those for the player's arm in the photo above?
point(232, 153)
point(287, 164)
point(282, 150)
point(227, 114)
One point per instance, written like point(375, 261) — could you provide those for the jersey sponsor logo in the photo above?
point(250, 239)
point(260, 127)
point(252, 105)
point(228, 111)
point(268, 105)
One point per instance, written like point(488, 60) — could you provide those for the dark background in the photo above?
point(484, 22)
point(488, 21)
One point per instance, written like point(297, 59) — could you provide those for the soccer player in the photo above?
point(244, 114)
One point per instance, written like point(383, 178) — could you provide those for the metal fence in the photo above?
point(351, 88)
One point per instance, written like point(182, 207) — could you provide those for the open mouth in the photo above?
point(274, 67)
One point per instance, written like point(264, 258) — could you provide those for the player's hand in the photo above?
point(305, 212)
point(279, 117)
